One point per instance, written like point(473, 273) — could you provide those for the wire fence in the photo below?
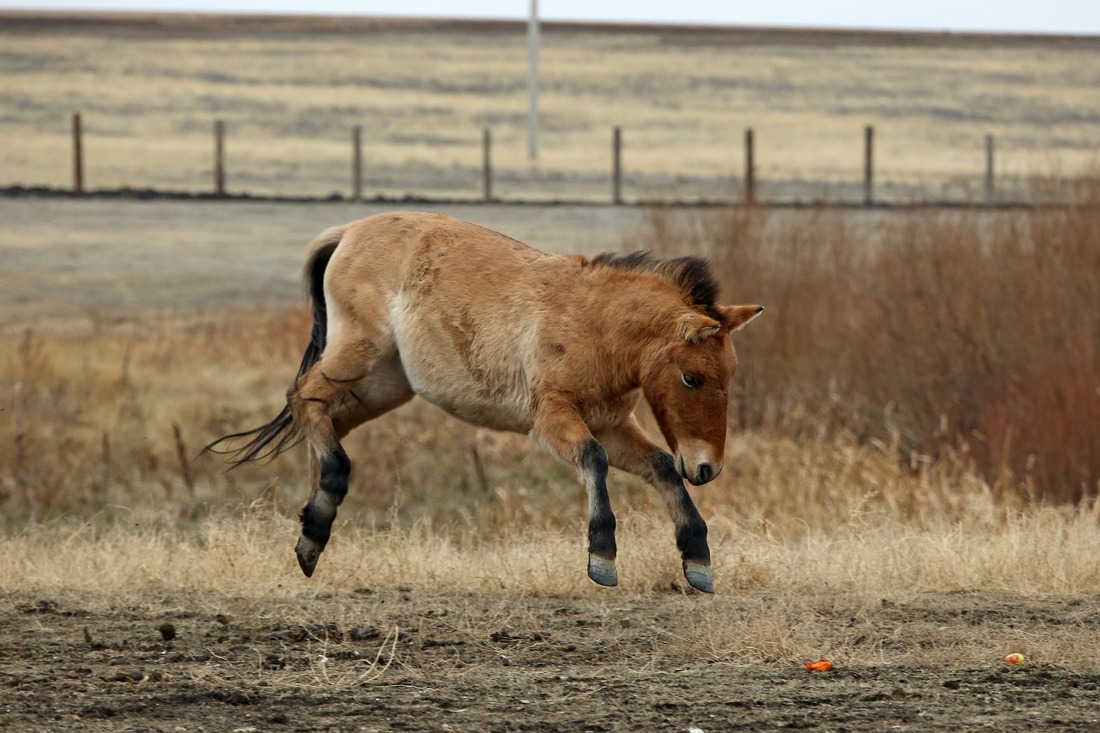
point(473, 183)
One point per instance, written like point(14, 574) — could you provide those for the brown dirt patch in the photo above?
point(410, 659)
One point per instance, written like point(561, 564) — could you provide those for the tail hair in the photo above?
point(281, 434)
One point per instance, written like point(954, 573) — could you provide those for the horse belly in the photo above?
point(481, 381)
point(509, 412)
point(498, 401)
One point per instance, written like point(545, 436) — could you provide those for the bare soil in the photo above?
point(67, 260)
point(413, 659)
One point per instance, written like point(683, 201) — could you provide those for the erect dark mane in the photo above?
point(692, 275)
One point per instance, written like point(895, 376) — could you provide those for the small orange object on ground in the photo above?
point(1014, 658)
point(823, 665)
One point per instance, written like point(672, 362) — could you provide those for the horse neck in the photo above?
point(638, 325)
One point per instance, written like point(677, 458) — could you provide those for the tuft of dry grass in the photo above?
point(1032, 552)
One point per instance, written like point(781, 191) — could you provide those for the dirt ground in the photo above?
point(410, 659)
point(66, 258)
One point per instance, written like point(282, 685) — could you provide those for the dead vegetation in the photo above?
point(960, 340)
point(930, 370)
point(911, 482)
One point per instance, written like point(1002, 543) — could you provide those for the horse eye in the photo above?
point(692, 382)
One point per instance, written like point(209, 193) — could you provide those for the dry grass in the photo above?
point(868, 555)
point(852, 474)
point(780, 597)
point(290, 96)
point(912, 461)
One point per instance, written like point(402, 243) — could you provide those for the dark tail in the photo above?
point(271, 439)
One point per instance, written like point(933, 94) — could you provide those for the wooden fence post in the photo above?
point(356, 163)
point(219, 157)
point(750, 169)
point(78, 157)
point(868, 164)
point(486, 165)
point(989, 165)
point(617, 165)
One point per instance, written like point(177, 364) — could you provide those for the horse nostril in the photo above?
point(705, 473)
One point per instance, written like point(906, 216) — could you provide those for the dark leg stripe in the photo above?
point(691, 539)
point(314, 529)
point(601, 535)
point(691, 536)
point(594, 458)
point(665, 470)
point(601, 524)
point(335, 469)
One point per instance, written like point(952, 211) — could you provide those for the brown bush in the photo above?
point(938, 330)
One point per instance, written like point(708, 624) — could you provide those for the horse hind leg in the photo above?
point(326, 407)
point(310, 403)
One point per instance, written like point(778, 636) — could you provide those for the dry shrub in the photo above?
point(941, 331)
point(108, 418)
point(899, 351)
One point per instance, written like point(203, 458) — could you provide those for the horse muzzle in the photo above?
point(701, 473)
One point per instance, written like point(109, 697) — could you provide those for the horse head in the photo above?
point(687, 384)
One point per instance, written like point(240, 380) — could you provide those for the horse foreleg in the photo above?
point(561, 430)
point(628, 448)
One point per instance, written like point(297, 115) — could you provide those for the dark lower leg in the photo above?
point(331, 468)
point(601, 520)
point(691, 530)
point(319, 513)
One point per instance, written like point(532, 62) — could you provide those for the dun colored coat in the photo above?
point(503, 335)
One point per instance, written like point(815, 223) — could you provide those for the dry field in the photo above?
point(914, 453)
point(291, 89)
point(145, 589)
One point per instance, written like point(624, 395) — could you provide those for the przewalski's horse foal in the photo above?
point(506, 336)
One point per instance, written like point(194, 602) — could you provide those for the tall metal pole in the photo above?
point(617, 165)
point(486, 165)
point(750, 169)
point(533, 82)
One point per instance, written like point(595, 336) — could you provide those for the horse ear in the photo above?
point(696, 327)
point(735, 317)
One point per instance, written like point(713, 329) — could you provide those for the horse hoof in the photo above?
point(308, 553)
point(602, 571)
point(699, 577)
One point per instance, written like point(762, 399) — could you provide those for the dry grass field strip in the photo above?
point(290, 95)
